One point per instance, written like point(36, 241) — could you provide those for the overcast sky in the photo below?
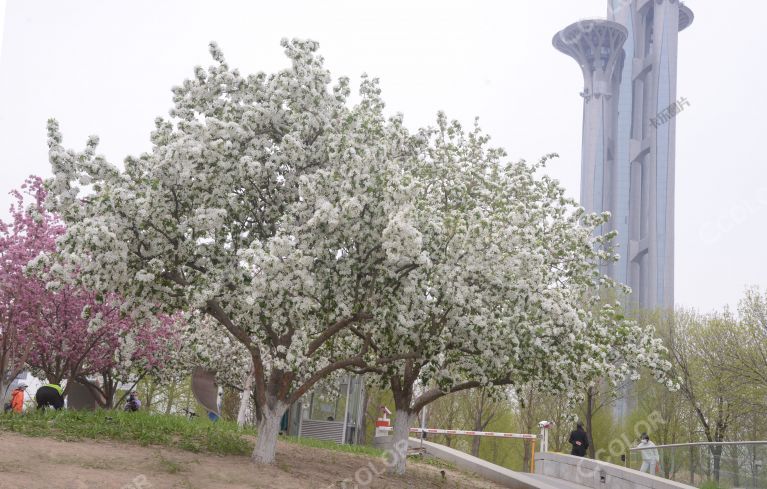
point(106, 68)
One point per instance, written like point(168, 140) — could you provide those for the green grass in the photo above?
point(335, 447)
point(710, 485)
point(195, 435)
point(434, 462)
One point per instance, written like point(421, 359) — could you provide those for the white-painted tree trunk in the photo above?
point(268, 429)
point(245, 399)
point(400, 435)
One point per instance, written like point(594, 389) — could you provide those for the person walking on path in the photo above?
point(50, 395)
point(650, 456)
point(17, 398)
point(579, 440)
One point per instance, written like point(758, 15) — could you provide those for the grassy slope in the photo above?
point(195, 435)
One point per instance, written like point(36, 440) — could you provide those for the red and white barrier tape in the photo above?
point(470, 433)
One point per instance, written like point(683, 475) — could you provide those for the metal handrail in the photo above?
point(701, 443)
point(748, 469)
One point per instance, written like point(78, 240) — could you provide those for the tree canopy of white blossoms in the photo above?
point(503, 287)
point(323, 236)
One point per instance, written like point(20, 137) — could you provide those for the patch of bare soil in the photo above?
point(37, 463)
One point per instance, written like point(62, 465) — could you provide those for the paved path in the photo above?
point(559, 465)
point(495, 473)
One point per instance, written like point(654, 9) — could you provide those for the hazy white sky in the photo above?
point(106, 68)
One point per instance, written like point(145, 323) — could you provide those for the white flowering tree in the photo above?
point(502, 284)
point(266, 203)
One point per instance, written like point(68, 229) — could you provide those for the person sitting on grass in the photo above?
point(133, 404)
point(50, 395)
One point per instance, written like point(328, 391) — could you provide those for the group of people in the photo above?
point(650, 457)
point(48, 395)
point(52, 395)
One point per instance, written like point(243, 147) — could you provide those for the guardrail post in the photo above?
point(544, 426)
point(532, 456)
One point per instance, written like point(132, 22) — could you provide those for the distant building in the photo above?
point(629, 63)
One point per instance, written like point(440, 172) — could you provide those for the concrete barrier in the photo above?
point(598, 475)
point(484, 469)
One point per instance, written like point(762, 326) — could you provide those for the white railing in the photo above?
point(727, 464)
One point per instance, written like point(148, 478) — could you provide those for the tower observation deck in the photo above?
point(629, 64)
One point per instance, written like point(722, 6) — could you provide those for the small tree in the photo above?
point(142, 349)
point(714, 396)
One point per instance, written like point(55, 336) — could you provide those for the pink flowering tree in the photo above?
point(141, 348)
point(64, 331)
point(29, 231)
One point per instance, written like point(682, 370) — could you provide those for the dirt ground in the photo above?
point(37, 463)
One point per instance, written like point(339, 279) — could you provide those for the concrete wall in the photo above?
point(598, 475)
point(468, 463)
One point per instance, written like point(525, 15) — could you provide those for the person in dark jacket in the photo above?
point(50, 395)
point(133, 404)
point(579, 440)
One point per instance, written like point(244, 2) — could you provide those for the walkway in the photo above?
point(553, 471)
point(556, 482)
point(487, 470)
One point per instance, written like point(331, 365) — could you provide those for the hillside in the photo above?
point(62, 459)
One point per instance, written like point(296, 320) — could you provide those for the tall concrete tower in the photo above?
point(629, 150)
point(596, 45)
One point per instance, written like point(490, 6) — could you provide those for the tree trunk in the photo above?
point(171, 397)
point(245, 399)
point(109, 389)
point(400, 441)
point(364, 427)
point(589, 421)
point(692, 465)
point(526, 456)
point(717, 454)
point(477, 427)
point(268, 429)
point(150, 390)
point(478, 424)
